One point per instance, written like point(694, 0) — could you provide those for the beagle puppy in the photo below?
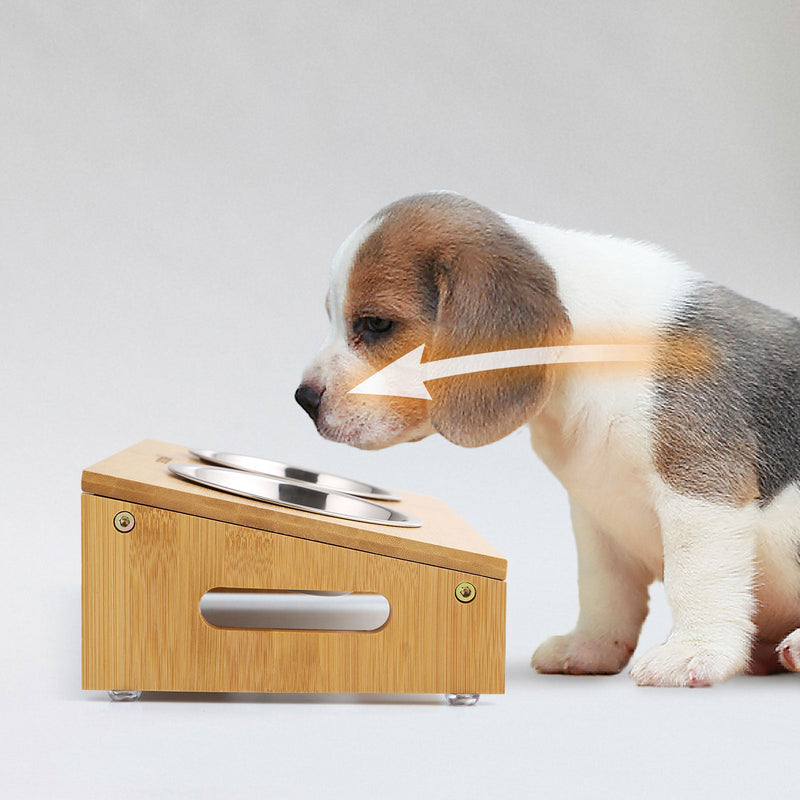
point(686, 470)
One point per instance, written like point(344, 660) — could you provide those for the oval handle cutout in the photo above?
point(294, 610)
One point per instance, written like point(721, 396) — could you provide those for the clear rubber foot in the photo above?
point(462, 699)
point(123, 696)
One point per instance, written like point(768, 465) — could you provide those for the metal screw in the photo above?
point(124, 521)
point(465, 592)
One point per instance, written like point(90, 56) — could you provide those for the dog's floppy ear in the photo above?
point(494, 293)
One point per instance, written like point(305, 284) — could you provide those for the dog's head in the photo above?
point(439, 270)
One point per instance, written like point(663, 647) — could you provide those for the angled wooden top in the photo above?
point(140, 475)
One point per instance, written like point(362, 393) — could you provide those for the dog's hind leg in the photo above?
point(613, 604)
point(789, 651)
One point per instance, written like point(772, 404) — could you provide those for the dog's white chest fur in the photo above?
point(600, 452)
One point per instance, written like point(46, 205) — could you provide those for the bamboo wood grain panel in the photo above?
point(142, 627)
point(140, 475)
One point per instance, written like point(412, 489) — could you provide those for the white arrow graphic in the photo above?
point(406, 376)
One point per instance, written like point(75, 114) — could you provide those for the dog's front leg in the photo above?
point(613, 597)
point(709, 571)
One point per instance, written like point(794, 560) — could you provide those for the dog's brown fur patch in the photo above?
point(454, 276)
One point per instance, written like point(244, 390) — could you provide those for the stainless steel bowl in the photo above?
point(276, 469)
point(293, 494)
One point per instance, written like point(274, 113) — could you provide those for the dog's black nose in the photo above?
point(309, 398)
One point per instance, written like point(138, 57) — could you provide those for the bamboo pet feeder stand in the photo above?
point(143, 579)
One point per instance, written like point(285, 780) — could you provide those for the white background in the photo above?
point(175, 178)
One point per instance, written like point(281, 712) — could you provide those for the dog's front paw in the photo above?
point(581, 654)
point(678, 663)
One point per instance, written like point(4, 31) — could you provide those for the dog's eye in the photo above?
point(377, 324)
point(372, 329)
